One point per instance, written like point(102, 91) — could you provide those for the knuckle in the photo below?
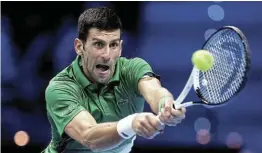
point(156, 122)
point(91, 146)
point(139, 127)
point(151, 135)
point(144, 120)
point(149, 115)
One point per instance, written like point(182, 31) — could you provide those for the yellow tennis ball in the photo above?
point(203, 60)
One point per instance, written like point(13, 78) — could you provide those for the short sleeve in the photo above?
point(135, 69)
point(62, 103)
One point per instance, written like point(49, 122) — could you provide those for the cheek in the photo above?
point(91, 61)
point(116, 53)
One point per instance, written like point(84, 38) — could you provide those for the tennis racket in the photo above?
point(227, 77)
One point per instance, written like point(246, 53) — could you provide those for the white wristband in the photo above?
point(124, 127)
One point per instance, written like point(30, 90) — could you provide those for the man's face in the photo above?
point(99, 54)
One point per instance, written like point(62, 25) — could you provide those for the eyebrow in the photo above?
point(97, 39)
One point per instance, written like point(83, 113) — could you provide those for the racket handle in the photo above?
point(176, 106)
point(179, 106)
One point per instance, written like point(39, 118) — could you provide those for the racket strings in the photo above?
point(226, 76)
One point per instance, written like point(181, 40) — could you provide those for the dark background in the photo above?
point(37, 42)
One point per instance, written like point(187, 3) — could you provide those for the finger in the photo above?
point(176, 121)
point(148, 128)
point(177, 113)
point(177, 117)
point(155, 134)
point(171, 124)
point(143, 132)
point(161, 121)
point(183, 110)
point(168, 106)
point(164, 116)
point(154, 123)
point(140, 133)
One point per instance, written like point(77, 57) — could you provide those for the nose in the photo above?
point(106, 54)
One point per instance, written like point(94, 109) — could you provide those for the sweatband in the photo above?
point(124, 127)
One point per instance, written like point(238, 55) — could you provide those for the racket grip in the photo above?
point(179, 106)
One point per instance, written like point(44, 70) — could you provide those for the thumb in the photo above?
point(168, 105)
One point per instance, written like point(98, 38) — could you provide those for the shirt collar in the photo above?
point(115, 77)
point(80, 76)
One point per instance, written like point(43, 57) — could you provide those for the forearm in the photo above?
point(102, 136)
point(105, 136)
point(159, 94)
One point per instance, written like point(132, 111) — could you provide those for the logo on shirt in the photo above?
point(122, 101)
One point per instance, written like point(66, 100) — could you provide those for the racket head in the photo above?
point(229, 74)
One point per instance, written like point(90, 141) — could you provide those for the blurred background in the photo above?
point(37, 42)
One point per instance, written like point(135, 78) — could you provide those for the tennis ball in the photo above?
point(203, 60)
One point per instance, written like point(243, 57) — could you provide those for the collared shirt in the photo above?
point(70, 92)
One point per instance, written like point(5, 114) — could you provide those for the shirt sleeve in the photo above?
point(62, 103)
point(135, 69)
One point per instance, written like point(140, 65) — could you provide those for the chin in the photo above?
point(103, 81)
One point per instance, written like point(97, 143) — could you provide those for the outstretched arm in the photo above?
point(84, 129)
point(160, 100)
point(70, 117)
point(150, 88)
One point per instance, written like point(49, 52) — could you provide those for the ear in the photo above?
point(120, 52)
point(79, 46)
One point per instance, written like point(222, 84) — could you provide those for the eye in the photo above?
point(114, 45)
point(99, 45)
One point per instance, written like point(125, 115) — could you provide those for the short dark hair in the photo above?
point(102, 18)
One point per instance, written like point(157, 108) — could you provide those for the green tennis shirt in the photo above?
point(70, 92)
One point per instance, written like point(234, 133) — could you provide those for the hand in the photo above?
point(147, 125)
point(170, 116)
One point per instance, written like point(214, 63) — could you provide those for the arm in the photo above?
point(152, 91)
point(70, 117)
point(84, 129)
point(155, 95)
point(105, 136)
point(150, 88)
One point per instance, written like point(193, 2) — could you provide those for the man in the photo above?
point(96, 103)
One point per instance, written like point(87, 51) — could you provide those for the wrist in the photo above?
point(125, 128)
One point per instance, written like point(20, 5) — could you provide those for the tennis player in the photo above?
point(96, 103)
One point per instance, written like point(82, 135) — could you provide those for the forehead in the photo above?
point(103, 35)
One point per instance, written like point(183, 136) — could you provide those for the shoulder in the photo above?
point(132, 64)
point(63, 84)
point(132, 61)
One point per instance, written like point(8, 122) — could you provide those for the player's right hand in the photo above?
point(147, 125)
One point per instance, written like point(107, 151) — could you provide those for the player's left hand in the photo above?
point(170, 116)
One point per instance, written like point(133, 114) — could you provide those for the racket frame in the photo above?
point(190, 82)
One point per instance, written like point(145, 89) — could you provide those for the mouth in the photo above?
point(102, 68)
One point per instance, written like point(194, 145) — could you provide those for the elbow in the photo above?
point(89, 142)
point(92, 146)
